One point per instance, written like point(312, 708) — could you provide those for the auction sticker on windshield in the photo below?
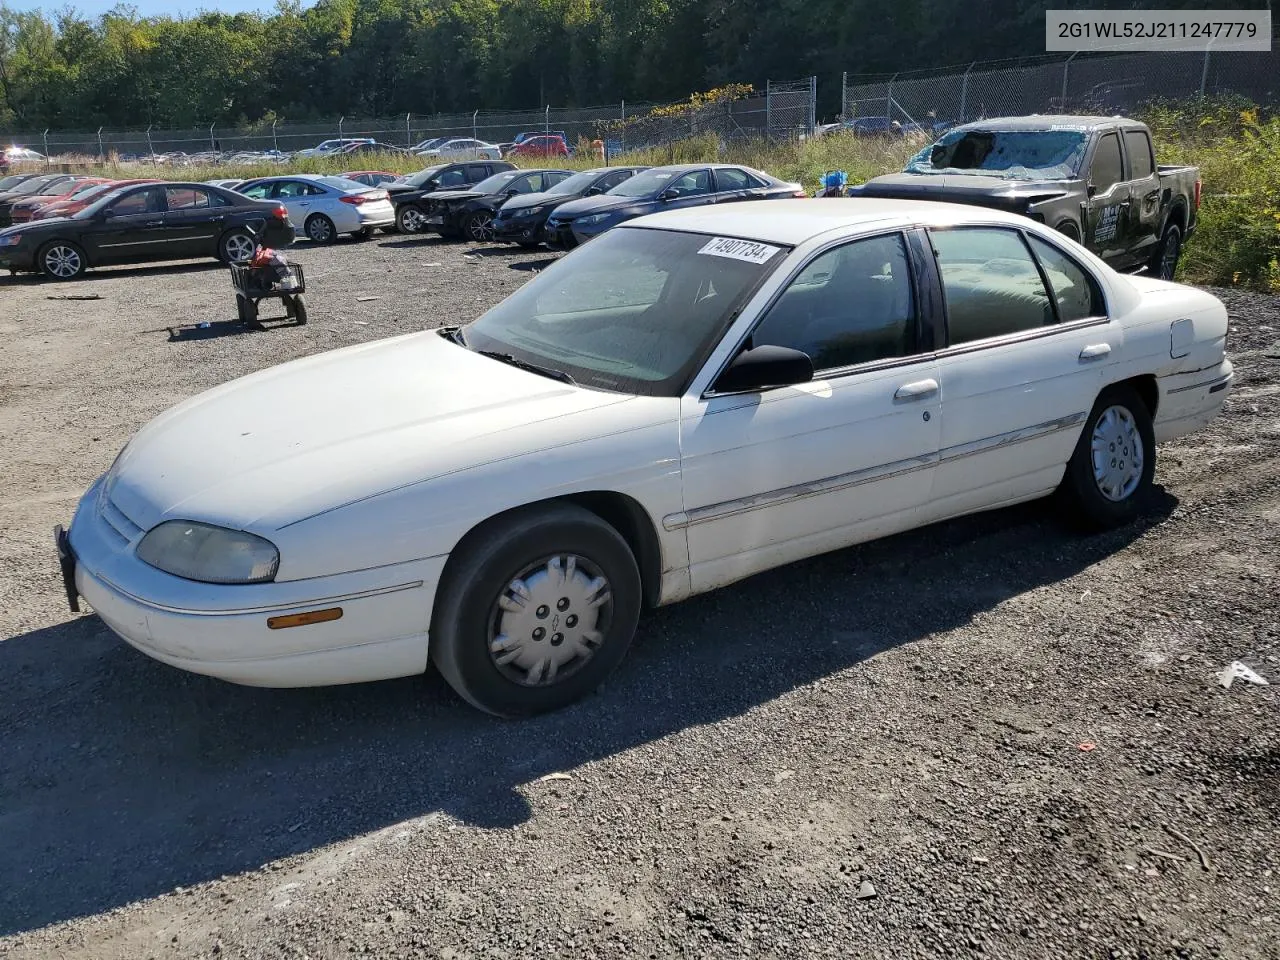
point(734, 249)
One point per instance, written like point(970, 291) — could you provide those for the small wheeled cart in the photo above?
point(269, 276)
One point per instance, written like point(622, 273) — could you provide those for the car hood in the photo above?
point(447, 195)
point(528, 200)
point(35, 227)
point(326, 431)
point(601, 204)
point(962, 188)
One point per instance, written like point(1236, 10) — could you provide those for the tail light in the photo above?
point(355, 199)
point(799, 193)
point(1198, 186)
point(280, 213)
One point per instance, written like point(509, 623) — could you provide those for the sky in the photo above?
point(147, 8)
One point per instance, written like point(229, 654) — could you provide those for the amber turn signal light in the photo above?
point(304, 619)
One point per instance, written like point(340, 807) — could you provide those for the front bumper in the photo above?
point(519, 229)
point(559, 234)
point(17, 258)
point(222, 631)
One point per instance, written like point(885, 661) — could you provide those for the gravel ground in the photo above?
point(880, 752)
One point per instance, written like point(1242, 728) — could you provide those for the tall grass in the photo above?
point(1237, 149)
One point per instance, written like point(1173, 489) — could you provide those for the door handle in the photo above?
point(305, 203)
point(1152, 197)
point(917, 391)
point(1095, 351)
point(154, 223)
point(218, 219)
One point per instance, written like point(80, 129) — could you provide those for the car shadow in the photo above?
point(417, 240)
point(122, 270)
point(123, 778)
point(532, 266)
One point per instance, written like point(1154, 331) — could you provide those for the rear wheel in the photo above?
point(320, 229)
point(1110, 473)
point(1164, 263)
point(236, 247)
point(535, 610)
point(62, 260)
point(479, 226)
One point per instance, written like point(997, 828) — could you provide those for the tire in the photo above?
point(534, 546)
point(299, 309)
point(1164, 262)
point(410, 219)
point(363, 234)
point(478, 227)
point(236, 246)
point(1111, 492)
point(320, 229)
point(62, 260)
point(1069, 230)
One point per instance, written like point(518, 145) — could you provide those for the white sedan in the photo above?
point(689, 399)
point(463, 148)
point(322, 208)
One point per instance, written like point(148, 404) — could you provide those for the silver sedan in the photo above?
point(322, 208)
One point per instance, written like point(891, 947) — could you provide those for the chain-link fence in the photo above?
point(926, 101)
point(783, 110)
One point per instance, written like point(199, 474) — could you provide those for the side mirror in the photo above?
point(594, 192)
point(105, 214)
point(764, 367)
point(667, 195)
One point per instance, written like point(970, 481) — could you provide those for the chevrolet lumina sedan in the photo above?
point(662, 188)
point(692, 398)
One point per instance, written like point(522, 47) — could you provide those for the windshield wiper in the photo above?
point(454, 335)
point(507, 358)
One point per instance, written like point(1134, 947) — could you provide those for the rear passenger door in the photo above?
point(1144, 196)
point(1021, 365)
point(1107, 220)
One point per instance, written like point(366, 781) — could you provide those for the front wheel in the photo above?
point(1110, 473)
point(410, 219)
point(62, 260)
point(320, 229)
point(479, 226)
point(536, 610)
point(1164, 264)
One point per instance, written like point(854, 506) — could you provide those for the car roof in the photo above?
point(792, 222)
point(1048, 121)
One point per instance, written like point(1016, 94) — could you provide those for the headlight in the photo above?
point(528, 212)
point(10, 240)
point(594, 218)
point(209, 554)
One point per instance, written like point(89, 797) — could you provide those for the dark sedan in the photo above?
point(149, 222)
point(663, 188)
point(409, 195)
point(47, 185)
point(470, 213)
point(522, 219)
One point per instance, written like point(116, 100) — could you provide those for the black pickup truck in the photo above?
point(1093, 178)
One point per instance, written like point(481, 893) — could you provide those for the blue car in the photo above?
point(662, 188)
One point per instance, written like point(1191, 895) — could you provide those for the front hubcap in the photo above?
point(550, 620)
point(1169, 261)
point(411, 220)
point(319, 230)
point(482, 228)
point(239, 248)
point(1118, 457)
point(62, 261)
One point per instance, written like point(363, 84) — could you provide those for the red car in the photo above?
point(30, 209)
point(77, 201)
point(551, 145)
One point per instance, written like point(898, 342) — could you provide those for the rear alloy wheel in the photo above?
point(479, 227)
point(320, 229)
point(1165, 263)
point(1110, 473)
point(536, 611)
point(236, 247)
point(410, 220)
point(61, 260)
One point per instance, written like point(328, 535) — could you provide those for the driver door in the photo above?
point(134, 228)
point(1106, 230)
point(693, 189)
point(775, 475)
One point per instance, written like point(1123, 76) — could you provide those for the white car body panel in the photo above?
point(367, 466)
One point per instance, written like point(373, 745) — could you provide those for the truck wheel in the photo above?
point(1069, 229)
point(1164, 263)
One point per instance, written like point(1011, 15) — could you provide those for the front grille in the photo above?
point(117, 521)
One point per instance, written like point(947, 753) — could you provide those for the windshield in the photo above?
point(1012, 154)
point(87, 190)
point(575, 184)
point(422, 176)
point(431, 144)
point(36, 185)
point(495, 183)
point(97, 190)
point(56, 188)
point(7, 183)
point(646, 184)
point(635, 310)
